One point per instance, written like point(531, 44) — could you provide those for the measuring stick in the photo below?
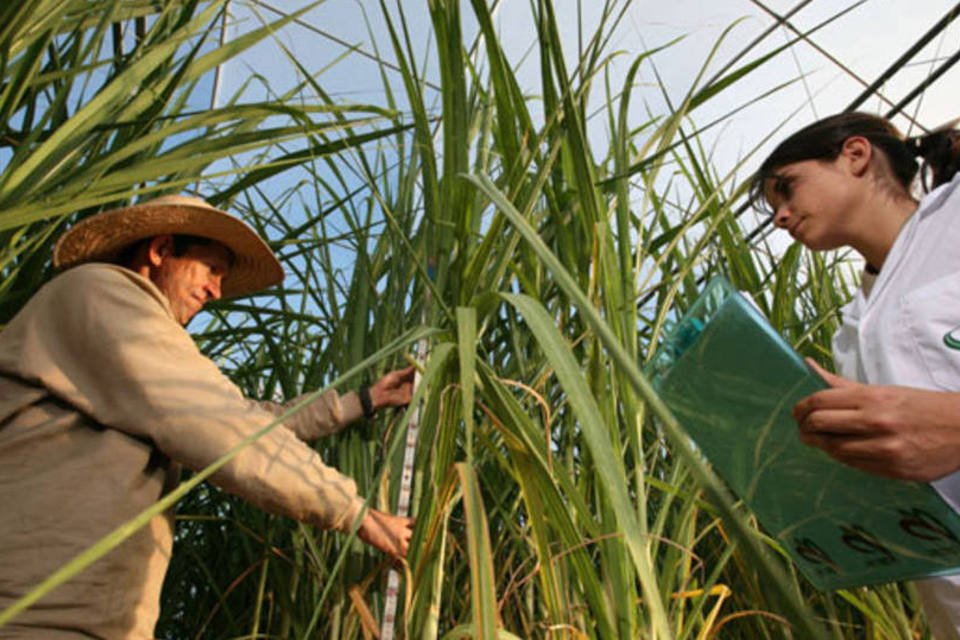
point(403, 502)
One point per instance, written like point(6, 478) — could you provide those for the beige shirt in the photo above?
point(103, 395)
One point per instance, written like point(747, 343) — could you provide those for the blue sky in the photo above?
point(866, 40)
point(825, 75)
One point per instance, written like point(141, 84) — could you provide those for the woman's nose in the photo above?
point(781, 216)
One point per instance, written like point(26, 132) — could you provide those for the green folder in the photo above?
point(731, 380)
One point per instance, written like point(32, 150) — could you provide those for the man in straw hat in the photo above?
point(104, 395)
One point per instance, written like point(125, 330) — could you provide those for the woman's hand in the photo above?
point(899, 432)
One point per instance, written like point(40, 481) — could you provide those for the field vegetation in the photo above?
point(555, 496)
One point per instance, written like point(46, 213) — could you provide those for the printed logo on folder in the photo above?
point(731, 380)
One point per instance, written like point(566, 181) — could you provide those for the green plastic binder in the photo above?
point(731, 380)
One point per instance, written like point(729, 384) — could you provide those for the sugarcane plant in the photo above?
point(555, 495)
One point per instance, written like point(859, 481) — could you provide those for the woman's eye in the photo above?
point(783, 187)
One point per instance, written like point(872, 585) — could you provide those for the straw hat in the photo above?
point(103, 237)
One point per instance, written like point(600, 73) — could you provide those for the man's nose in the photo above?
point(213, 287)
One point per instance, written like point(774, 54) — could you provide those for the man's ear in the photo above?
point(858, 152)
point(159, 248)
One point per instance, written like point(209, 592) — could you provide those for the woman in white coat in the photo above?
point(894, 408)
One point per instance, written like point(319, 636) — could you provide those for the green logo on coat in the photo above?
point(952, 340)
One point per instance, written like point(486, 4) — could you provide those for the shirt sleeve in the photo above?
point(327, 414)
point(102, 339)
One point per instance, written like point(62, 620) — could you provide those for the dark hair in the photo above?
point(181, 244)
point(940, 151)
point(823, 140)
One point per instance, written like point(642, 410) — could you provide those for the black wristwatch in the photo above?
point(365, 402)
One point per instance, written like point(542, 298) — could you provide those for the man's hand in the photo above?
point(386, 532)
point(394, 389)
point(899, 432)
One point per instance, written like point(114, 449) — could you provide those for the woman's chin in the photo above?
point(815, 243)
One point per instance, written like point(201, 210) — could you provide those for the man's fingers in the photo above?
point(401, 376)
point(403, 536)
point(394, 389)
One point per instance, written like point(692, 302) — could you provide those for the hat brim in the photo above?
point(103, 238)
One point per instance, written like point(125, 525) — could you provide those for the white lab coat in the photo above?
point(895, 331)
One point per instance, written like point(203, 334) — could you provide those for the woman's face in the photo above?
point(815, 201)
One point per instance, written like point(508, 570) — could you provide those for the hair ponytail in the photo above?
point(940, 153)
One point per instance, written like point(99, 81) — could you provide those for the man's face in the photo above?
point(191, 280)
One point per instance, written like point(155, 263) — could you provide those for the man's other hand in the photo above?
point(394, 389)
point(386, 532)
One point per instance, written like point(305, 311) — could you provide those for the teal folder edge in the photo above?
point(731, 380)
